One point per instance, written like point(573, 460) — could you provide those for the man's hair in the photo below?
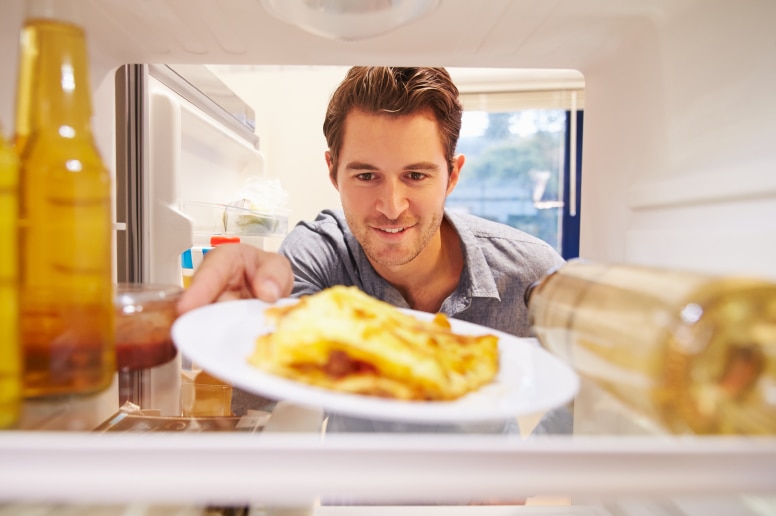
point(395, 92)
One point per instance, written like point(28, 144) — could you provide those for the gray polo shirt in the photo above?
point(500, 262)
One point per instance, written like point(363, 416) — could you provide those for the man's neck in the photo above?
point(433, 275)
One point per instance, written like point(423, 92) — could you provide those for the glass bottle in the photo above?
point(67, 320)
point(10, 351)
point(694, 352)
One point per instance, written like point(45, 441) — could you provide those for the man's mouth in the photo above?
point(392, 230)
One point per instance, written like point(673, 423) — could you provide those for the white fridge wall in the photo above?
point(679, 161)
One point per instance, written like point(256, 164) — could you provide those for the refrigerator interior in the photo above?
point(678, 159)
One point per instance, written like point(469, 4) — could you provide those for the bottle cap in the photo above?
point(222, 239)
point(54, 10)
point(529, 290)
point(186, 261)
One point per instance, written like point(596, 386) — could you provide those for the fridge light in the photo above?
point(348, 20)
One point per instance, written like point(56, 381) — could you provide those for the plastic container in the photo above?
point(223, 219)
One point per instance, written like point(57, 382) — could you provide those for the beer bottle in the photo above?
point(67, 325)
point(695, 353)
point(10, 352)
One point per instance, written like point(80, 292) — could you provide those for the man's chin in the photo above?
point(390, 259)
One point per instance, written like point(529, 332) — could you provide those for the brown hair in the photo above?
point(395, 91)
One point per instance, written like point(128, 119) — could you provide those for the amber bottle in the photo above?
point(67, 321)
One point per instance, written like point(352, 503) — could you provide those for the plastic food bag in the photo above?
point(267, 201)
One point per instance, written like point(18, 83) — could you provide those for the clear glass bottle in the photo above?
point(694, 352)
point(10, 350)
point(67, 318)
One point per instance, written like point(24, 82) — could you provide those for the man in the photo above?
point(392, 134)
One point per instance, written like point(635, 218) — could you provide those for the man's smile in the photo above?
point(392, 230)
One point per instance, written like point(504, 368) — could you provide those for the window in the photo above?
point(518, 169)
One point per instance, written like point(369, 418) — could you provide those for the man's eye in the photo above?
point(417, 176)
point(366, 176)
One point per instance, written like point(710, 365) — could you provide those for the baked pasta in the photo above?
point(344, 340)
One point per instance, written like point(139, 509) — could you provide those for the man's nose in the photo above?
point(393, 200)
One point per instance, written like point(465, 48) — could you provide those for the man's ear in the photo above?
point(455, 173)
point(332, 170)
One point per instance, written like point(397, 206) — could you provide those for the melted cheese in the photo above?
point(345, 340)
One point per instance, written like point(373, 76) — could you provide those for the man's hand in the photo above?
point(238, 271)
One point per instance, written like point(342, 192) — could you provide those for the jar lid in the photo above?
point(139, 294)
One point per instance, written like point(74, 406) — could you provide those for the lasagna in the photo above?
point(344, 340)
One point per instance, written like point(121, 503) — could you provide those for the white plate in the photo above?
point(219, 338)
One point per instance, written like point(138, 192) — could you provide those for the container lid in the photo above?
point(139, 294)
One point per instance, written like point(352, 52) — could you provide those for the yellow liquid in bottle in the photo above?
point(67, 324)
point(10, 351)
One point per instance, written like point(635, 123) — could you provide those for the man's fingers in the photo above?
point(273, 278)
point(217, 278)
point(238, 271)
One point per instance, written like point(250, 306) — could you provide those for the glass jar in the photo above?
point(146, 359)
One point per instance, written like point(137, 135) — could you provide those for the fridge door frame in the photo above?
point(148, 125)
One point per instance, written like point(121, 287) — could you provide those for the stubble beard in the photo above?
point(392, 255)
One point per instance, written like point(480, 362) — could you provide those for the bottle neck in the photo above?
point(60, 98)
point(68, 11)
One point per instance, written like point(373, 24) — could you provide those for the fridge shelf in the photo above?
point(299, 467)
point(224, 219)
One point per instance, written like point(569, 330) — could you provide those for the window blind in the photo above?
point(496, 102)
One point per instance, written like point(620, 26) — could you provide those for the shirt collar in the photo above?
point(477, 278)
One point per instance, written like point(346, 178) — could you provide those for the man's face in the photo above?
point(393, 179)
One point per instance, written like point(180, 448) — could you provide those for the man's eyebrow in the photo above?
point(360, 165)
point(422, 165)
